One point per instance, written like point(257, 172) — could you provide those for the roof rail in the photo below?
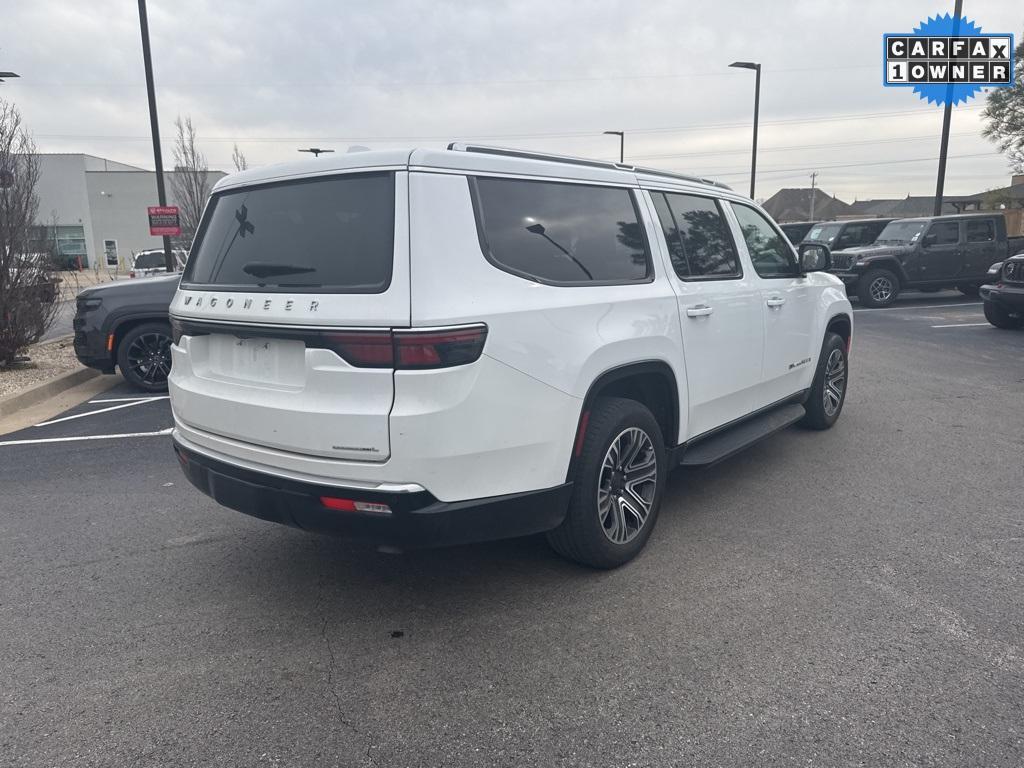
point(570, 160)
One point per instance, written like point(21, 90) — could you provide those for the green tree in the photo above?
point(1004, 114)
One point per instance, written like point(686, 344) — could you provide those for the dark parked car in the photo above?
point(795, 231)
point(929, 253)
point(125, 324)
point(1004, 296)
point(839, 235)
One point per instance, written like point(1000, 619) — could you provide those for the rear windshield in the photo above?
point(332, 233)
point(150, 260)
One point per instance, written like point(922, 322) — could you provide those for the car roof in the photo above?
point(473, 158)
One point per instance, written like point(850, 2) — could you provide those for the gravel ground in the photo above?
point(48, 360)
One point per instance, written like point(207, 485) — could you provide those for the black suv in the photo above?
point(839, 235)
point(1004, 298)
point(126, 324)
point(928, 254)
point(796, 230)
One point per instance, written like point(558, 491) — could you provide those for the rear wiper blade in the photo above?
point(269, 269)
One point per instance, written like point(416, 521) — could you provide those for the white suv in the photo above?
point(433, 347)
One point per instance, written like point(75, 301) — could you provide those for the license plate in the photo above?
point(267, 361)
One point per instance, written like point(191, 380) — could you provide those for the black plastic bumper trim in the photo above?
point(417, 520)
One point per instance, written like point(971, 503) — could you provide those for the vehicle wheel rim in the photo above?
point(881, 289)
point(627, 485)
point(835, 382)
point(149, 357)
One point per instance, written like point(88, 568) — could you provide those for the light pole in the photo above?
point(947, 113)
point(154, 127)
point(622, 143)
point(538, 229)
point(316, 151)
point(757, 103)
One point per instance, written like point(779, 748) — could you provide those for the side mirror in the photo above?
point(814, 257)
point(928, 240)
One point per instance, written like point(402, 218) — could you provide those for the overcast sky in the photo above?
point(546, 75)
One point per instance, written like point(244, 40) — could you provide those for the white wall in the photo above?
point(62, 191)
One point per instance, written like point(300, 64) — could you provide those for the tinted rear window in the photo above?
point(150, 260)
point(561, 233)
point(329, 233)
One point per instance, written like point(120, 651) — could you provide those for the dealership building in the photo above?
point(96, 208)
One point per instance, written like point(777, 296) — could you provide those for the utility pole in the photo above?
point(154, 126)
point(814, 179)
point(947, 114)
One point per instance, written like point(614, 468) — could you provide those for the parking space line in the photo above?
point(93, 413)
point(127, 399)
point(930, 306)
point(86, 437)
point(961, 325)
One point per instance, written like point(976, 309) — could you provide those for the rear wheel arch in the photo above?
point(651, 383)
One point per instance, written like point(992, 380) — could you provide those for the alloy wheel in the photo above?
point(881, 289)
point(149, 357)
point(627, 485)
point(835, 382)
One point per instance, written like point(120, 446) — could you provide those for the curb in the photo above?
point(38, 393)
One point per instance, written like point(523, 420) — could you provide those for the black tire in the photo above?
point(144, 356)
point(872, 290)
point(970, 290)
point(1000, 318)
point(823, 411)
point(587, 535)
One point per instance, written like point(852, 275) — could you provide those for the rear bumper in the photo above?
point(417, 520)
point(1011, 298)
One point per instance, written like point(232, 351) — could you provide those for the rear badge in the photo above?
point(267, 306)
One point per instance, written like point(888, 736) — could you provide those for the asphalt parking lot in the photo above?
point(853, 597)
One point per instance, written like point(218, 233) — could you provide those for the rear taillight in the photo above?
point(363, 349)
point(408, 350)
point(439, 348)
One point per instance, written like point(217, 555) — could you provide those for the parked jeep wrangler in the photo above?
point(923, 253)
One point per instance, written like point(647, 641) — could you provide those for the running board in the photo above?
point(722, 445)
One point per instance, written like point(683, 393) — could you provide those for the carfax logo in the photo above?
point(948, 60)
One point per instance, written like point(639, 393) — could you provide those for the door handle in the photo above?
point(775, 301)
point(700, 310)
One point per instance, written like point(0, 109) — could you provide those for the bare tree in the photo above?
point(27, 288)
point(189, 184)
point(241, 164)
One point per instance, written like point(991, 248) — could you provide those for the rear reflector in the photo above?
point(350, 505)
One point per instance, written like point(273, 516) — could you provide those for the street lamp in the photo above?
point(316, 151)
point(757, 101)
point(7, 74)
point(622, 143)
point(538, 229)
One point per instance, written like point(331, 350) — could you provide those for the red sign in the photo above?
point(163, 220)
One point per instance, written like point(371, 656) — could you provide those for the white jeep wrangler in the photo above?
point(432, 347)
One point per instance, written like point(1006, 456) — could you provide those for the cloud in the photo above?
point(543, 75)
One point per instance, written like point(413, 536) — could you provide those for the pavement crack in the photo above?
point(332, 664)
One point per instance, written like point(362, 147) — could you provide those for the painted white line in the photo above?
point(86, 437)
point(930, 306)
point(93, 413)
point(147, 398)
point(960, 325)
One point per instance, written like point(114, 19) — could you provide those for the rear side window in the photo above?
point(150, 259)
point(334, 233)
point(980, 231)
point(697, 235)
point(771, 254)
point(565, 234)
